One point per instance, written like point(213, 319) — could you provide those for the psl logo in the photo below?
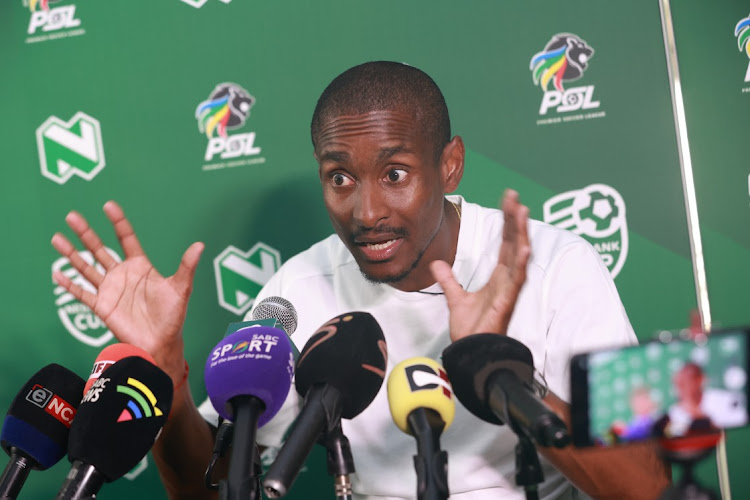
point(76, 317)
point(51, 19)
point(228, 107)
point(72, 148)
point(564, 59)
point(142, 402)
point(240, 275)
point(742, 32)
point(597, 213)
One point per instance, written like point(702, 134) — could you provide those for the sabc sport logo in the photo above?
point(77, 318)
point(564, 59)
point(70, 148)
point(50, 19)
point(742, 32)
point(597, 213)
point(227, 108)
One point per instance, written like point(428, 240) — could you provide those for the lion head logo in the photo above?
point(227, 108)
point(564, 58)
point(742, 32)
point(42, 4)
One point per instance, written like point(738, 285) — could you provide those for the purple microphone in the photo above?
point(248, 375)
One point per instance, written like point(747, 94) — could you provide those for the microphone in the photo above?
point(248, 376)
point(109, 356)
point(492, 376)
point(279, 309)
point(339, 372)
point(421, 403)
point(281, 314)
point(117, 423)
point(35, 429)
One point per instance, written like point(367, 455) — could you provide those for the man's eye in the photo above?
point(396, 175)
point(340, 179)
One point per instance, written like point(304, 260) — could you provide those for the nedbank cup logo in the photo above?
point(742, 32)
point(227, 108)
point(564, 59)
point(597, 213)
point(76, 317)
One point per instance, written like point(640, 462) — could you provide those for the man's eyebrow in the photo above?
point(335, 156)
point(386, 153)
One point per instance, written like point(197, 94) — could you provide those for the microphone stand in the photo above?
point(430, 462)
point(340, 460)
point(529, 471)
point(243, 478)
point(15, 473)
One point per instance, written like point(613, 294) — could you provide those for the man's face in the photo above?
point(688, 384)
point(383, 189)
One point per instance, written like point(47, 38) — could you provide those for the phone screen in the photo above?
point(657, 389)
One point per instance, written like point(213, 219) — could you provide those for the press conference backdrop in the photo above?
point(194, 115)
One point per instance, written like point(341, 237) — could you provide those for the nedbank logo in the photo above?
point(70, 148)
point(564, 59)
point(240, 275)
point(142, 402)
point(227, 108)
point(52, 22)
point(200, 3)
point(597, 213)
point(742, 32)
point(76, 317)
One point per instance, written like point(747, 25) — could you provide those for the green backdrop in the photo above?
point(100, 102)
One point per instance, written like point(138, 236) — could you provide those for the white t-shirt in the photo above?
point(569, 304)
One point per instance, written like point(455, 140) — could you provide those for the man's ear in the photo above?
point(452, 164)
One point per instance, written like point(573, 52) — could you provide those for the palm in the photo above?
point(138, 305)
point(489, 309)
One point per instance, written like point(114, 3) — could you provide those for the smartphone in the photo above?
point(665, 389)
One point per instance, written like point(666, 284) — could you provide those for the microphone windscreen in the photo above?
point(419, 383)
point(471, 360)
point(120, 417)
point(109, 356)
point(40, 416)
point(348, 353)
point(254, 361)
point(277, 308)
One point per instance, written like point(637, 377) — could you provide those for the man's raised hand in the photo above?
point(138, 305)
point(489, 309)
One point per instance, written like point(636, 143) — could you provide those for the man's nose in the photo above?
point(369, 206)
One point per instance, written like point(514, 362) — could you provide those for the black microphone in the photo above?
point(117, 423)
point(35, 429)
point(492, 376)
point(339, 372)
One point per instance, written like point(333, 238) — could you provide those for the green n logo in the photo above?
point(240, 275)
point(72, 148)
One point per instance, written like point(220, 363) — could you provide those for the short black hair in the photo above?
point(381, 86)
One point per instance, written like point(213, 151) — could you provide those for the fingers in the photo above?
point(515, 249)
point(85, 297)
point(90, 239)
point(123, 230)
point(183, 278)
point(443, 274)
point(87, 270)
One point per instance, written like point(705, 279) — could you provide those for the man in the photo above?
point(429, 269)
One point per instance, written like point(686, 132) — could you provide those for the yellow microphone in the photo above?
point(421, 402)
